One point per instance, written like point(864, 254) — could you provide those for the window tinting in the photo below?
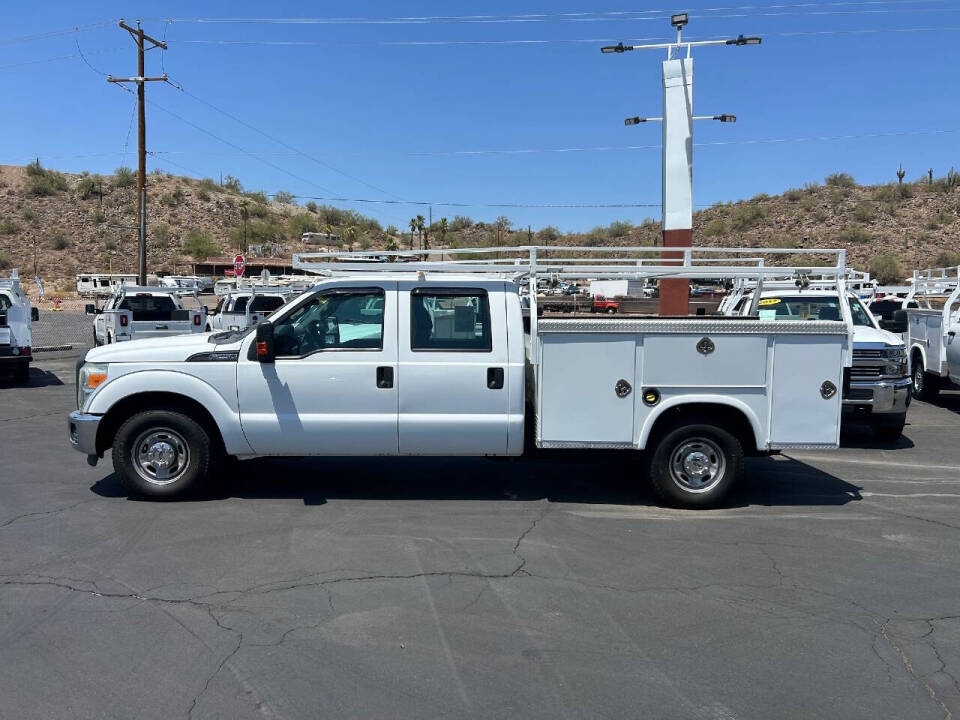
point(265, 303)
point(332, 321)
point(450, 320)
point(149, 308)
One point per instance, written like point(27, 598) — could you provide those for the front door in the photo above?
point(454, 398)
point(332, 389)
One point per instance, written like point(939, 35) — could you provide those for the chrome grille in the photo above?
point(865, 372)
point(868, 354)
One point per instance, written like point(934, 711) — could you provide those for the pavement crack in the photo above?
point(44, 513)
point(947, 715)
point(226, 658)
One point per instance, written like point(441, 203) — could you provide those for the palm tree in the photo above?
point(413, 229)
point(350, 234)
point(443, 230)
point(421, 225)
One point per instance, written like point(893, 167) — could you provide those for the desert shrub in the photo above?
point(864, 212)
point(98, 215)
point(837, 196)
point(819, 215)
point(852, 235)
point(199, 245)
point(172, 199)
point(283, 196)
point(160, 236)
point(232, 184)
point(202, 195)
point(460, 222)
point(29, 215)
point(619, 228)
point(893, 192)
point(42, 182)
point(886, 268)
point(109, 244)
point(259, 232)
point(716, 227)
point(948, 258)
point(207, 184)
point(782, 242)
point(793, 195)
point(124, 177)
point(88, 187)
point(5, 260)
point(808, 202)
point(548, 235)
point(938, 220)
point(841, 180)
point(257, 210)
point(811, 187)
point(258, 196)
point(746, 217)
point(301, 223)
point(759, 197)
point(8, 226)
point(311, 206)
point(58, 241)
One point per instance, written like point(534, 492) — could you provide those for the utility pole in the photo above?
point(677, 180)
point(139, 37)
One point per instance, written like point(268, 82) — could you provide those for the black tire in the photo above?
point(96, 343)
point(22, 372)
point(720, 449)
point(926, 386)
point(889, 429)
point(611, 311)
point(160, 431)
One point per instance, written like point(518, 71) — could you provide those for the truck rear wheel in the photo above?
point(161, 454)
point(695, 465)
point(926, 386)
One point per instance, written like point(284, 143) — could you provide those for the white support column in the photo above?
point(678, 144)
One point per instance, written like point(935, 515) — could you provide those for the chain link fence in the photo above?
point(66, 330)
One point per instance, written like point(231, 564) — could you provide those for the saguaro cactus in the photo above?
point(901, 174)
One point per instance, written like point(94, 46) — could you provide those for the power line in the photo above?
point(55, 33)
point(476, 205)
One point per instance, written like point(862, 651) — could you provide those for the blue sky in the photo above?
point(396, 116)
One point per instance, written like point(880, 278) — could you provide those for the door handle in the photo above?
point(495, 378)
point(384, 377)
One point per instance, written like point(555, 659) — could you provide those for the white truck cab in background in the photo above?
point(437, 361)
point(16, 336)
point(135, 313)
point(239, 308)
point(931, 331)
point(876, 389)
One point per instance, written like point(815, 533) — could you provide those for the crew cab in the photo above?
point(240, 308)
point(440, 364)
point(16, 336)
point(134, 313)
point(931, 332)
point(876, 390)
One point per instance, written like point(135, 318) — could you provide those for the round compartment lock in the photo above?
point(651, 396)
point(622, 388)
point(705, 346)
point(827, 390)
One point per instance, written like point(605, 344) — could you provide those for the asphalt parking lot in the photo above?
point(547, 588)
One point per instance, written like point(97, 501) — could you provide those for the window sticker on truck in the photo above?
point(769, 301)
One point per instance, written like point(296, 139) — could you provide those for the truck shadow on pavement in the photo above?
point(38, 378)
point(861, 437)
point(589, 478)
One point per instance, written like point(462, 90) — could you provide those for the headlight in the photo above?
point(896, 358)
point(895, 353)
point(91, 376)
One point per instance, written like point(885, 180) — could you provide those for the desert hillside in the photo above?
point(86, 222)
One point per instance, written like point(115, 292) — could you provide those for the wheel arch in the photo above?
point(915, 350)
point(728, 413)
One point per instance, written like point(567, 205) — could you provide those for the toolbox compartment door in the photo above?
point(802, 410)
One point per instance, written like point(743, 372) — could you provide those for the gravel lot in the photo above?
point(554, 588)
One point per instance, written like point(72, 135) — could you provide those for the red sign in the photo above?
point(239, 265)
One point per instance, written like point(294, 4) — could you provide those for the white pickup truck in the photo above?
point(438, 362)
point(135, 313)
point(238, 309)
point(931, 333)
point(16, 337)
point(876, 389)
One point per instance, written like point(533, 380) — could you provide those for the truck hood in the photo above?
point(175, 348)
point(865, 335)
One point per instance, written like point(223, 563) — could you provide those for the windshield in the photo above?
point(810, 307)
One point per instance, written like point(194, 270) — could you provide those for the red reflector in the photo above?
point(196, 319)
point(261, 347)
point(254, 318)
point(123, 320)
point(25, 350)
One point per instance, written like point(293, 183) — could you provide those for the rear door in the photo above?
point(453, 398)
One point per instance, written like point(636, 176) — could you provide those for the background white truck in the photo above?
point(242, 307)
point(876, 389)
point(931, 334)
point(435, 360)
point(16, 336)
point(135, 313)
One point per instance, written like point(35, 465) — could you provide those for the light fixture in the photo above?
point(634, 120)
point(618, 48)
point(679, 20)
point(741, 40)
point(725, 118)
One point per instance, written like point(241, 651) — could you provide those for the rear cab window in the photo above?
point(450, 319)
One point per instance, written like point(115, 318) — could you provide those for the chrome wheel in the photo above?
point(918, 380)
point(697, 465)
point(160, 456)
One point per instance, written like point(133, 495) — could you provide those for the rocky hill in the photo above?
point(86, 222)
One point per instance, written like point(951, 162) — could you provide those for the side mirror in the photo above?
point(90, 309)
point(264, 343)
point(34, 314)
point(896, 324)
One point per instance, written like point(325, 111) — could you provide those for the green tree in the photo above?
point(886, 269)
point(199, 245)
point(443, 230)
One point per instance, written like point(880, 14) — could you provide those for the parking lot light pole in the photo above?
point(678, 117)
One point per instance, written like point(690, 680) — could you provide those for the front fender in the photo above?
point(701, 399)
point(916, 347)
point(223, 408)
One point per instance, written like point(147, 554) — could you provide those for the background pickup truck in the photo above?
point(16, 337)
point(239, 309)
point(439, 364)
point(136, 313)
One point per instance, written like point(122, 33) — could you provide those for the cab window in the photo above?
point(339, 320)
point(450, 319)
point(266, 303)
point(5, 304)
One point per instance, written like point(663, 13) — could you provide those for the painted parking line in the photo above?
point(856, 461)
point(685, 515)
point(910, 495)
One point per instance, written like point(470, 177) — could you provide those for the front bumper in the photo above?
point(83, 432)
point(879, 397)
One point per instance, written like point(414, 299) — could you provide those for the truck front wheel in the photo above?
point(695, 465)
point(161, 454)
